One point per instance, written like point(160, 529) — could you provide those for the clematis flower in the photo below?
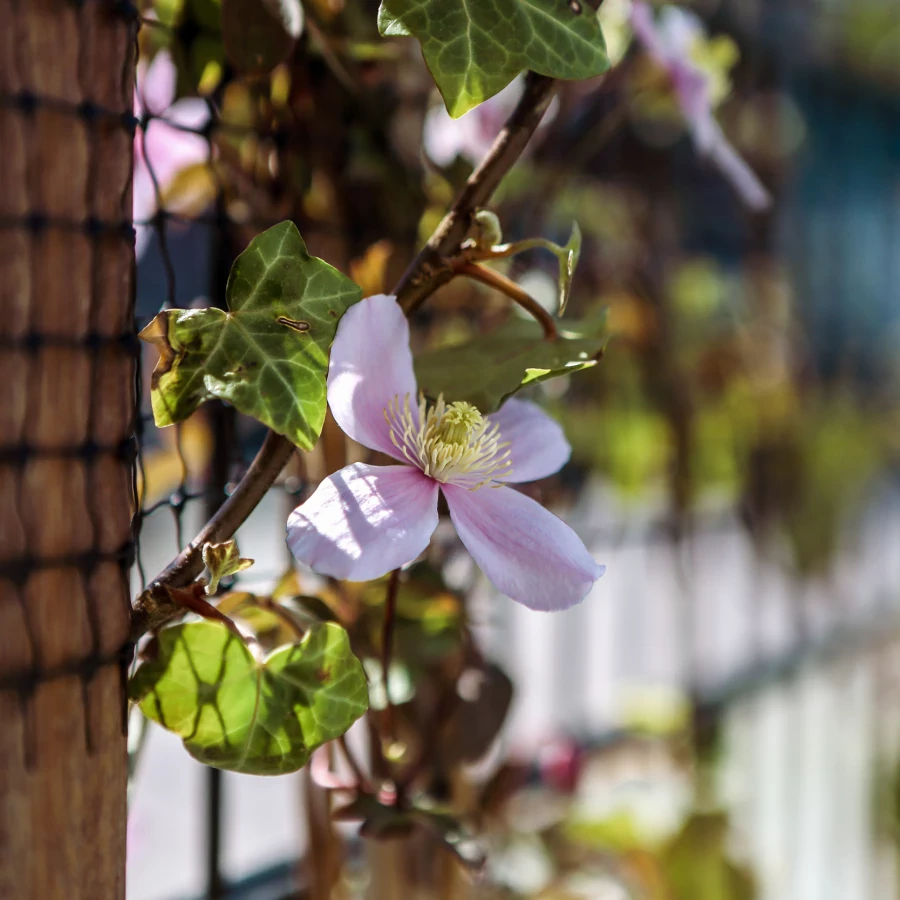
point(673, 42)
point(168, 143)
point(365, 521)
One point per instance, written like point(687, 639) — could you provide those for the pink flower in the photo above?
point(472, 134)
point(164, 144)
point(365, 520)
point(671, 42)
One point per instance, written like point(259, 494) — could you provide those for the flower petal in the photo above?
point(190, 112)
point(527, 552)
point(156, 85)
point(693, 92)
point(364, 521)
point(143, 193)
point(168, 150)
point(644, 27)
point(679, 30)
point(538, 446)
point(371, 363)
point(669, 42)
point(715, 146)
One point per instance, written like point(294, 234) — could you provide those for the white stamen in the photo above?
point(451, 443)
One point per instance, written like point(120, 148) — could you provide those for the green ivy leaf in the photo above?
point(474, 48)
point(245, 715)
point(259, 34)
point(489, 369)
point(268, 354)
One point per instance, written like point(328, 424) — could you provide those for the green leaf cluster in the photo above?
point(267, 355)
point(236, 712)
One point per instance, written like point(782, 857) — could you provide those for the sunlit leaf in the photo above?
point(223, 560)
point(475, 49)
point(259, 34)
point(234, 712)
point(268, 354)
point(489, 369)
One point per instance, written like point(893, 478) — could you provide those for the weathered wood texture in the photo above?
point(66, 419)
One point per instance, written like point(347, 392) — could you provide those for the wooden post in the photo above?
point(66, 458)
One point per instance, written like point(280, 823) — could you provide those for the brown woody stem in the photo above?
point(432, 267)
point(387, 649)
point(513, 291)
point(155, 607)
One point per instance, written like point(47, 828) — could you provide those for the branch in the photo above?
point(155, 607)
point(503, 284)
point(432, 268)
point(387, 647)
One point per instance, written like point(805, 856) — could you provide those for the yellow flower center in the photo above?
point(451, 443)
point(458, 422)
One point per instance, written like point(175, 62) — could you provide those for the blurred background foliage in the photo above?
point(752, 368)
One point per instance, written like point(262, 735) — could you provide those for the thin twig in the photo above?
point(505, 251)
point(428, 271)
point(503, 284)
point(194, 599)
point(387, 648)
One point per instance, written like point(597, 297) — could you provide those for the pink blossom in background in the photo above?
point(163, 143)
point(471, 135)
point(365, 521)
point(670, 40)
